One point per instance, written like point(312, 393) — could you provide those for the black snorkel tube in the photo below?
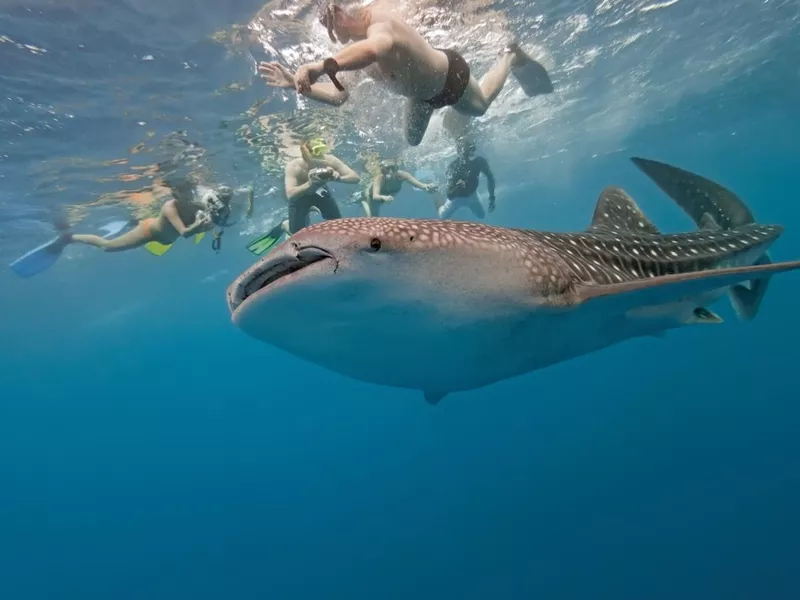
point(219, 216)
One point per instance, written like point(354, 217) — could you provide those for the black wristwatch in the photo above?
point(331, 68)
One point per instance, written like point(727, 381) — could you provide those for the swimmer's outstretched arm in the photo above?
point(346, 174)
point(276, 75)
point(250, 200)
point(406, 176)
point(353, 57)
point(360, 55)
point(483, 165)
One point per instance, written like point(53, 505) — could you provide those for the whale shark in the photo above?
point(447, 306)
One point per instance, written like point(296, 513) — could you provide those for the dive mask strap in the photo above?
point(331, 68)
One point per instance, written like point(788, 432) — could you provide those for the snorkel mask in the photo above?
point(317, 147)
point(388, 167)
point(219, 204)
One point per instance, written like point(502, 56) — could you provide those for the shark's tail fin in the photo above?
point(710, 206)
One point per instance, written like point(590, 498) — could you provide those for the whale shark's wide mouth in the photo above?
point(273, 271)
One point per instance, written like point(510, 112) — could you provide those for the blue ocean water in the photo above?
point(148, 449)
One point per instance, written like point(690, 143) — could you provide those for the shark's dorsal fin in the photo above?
point(674, 288)
point(617, 211)
point(433, 398)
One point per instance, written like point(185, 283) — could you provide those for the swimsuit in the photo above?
point(147, 226)
point(456, 83)
point(300, 208)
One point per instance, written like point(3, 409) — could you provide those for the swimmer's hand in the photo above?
point(276, 75)
point(385, 199)
point(491, 203)
point(307, 76)
point(201, 220)
point(431, 188)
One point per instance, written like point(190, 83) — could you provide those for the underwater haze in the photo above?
point(151, 450)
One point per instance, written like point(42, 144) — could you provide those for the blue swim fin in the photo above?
point(41, 258)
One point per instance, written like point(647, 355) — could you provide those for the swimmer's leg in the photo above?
point(417, 116)
point(476, 206)
point(285, 226)
point(479, 96)
point(447, 209)
point(328, 208)
point(299, 211)
point(367, 205)
point(136, 237)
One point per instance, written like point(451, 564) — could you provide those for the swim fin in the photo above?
point(266, 242)
point(531, 75)
point(41, 258)
point(157, 249)
point(198, 237)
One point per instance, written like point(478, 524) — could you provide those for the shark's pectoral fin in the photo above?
point(433, 398)
point(675, 288)
point(746, 300)
point(616, 211)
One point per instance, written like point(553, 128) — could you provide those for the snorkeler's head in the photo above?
point(388, 168)
point(218, 203)
point(316, 147)
point(466, 149)
point(344, 21)
point(182, 190)
point(225, 194)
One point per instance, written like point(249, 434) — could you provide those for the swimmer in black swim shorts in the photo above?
point(462, 177)
point(394, 53)
point(306, 180)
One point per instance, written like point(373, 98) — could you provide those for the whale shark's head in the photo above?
point(368, 264)
point(366, 292)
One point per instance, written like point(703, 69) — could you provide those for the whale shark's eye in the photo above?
point(375, 244)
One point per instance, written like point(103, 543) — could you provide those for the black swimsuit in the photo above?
point(456, 83)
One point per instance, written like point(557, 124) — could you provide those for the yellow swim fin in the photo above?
point(157, 249)
point(198, 237)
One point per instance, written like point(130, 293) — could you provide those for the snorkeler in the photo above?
point(386, 185)
point(192, 211)
point(462, 183)
point(397, 55)
point(306, 182)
